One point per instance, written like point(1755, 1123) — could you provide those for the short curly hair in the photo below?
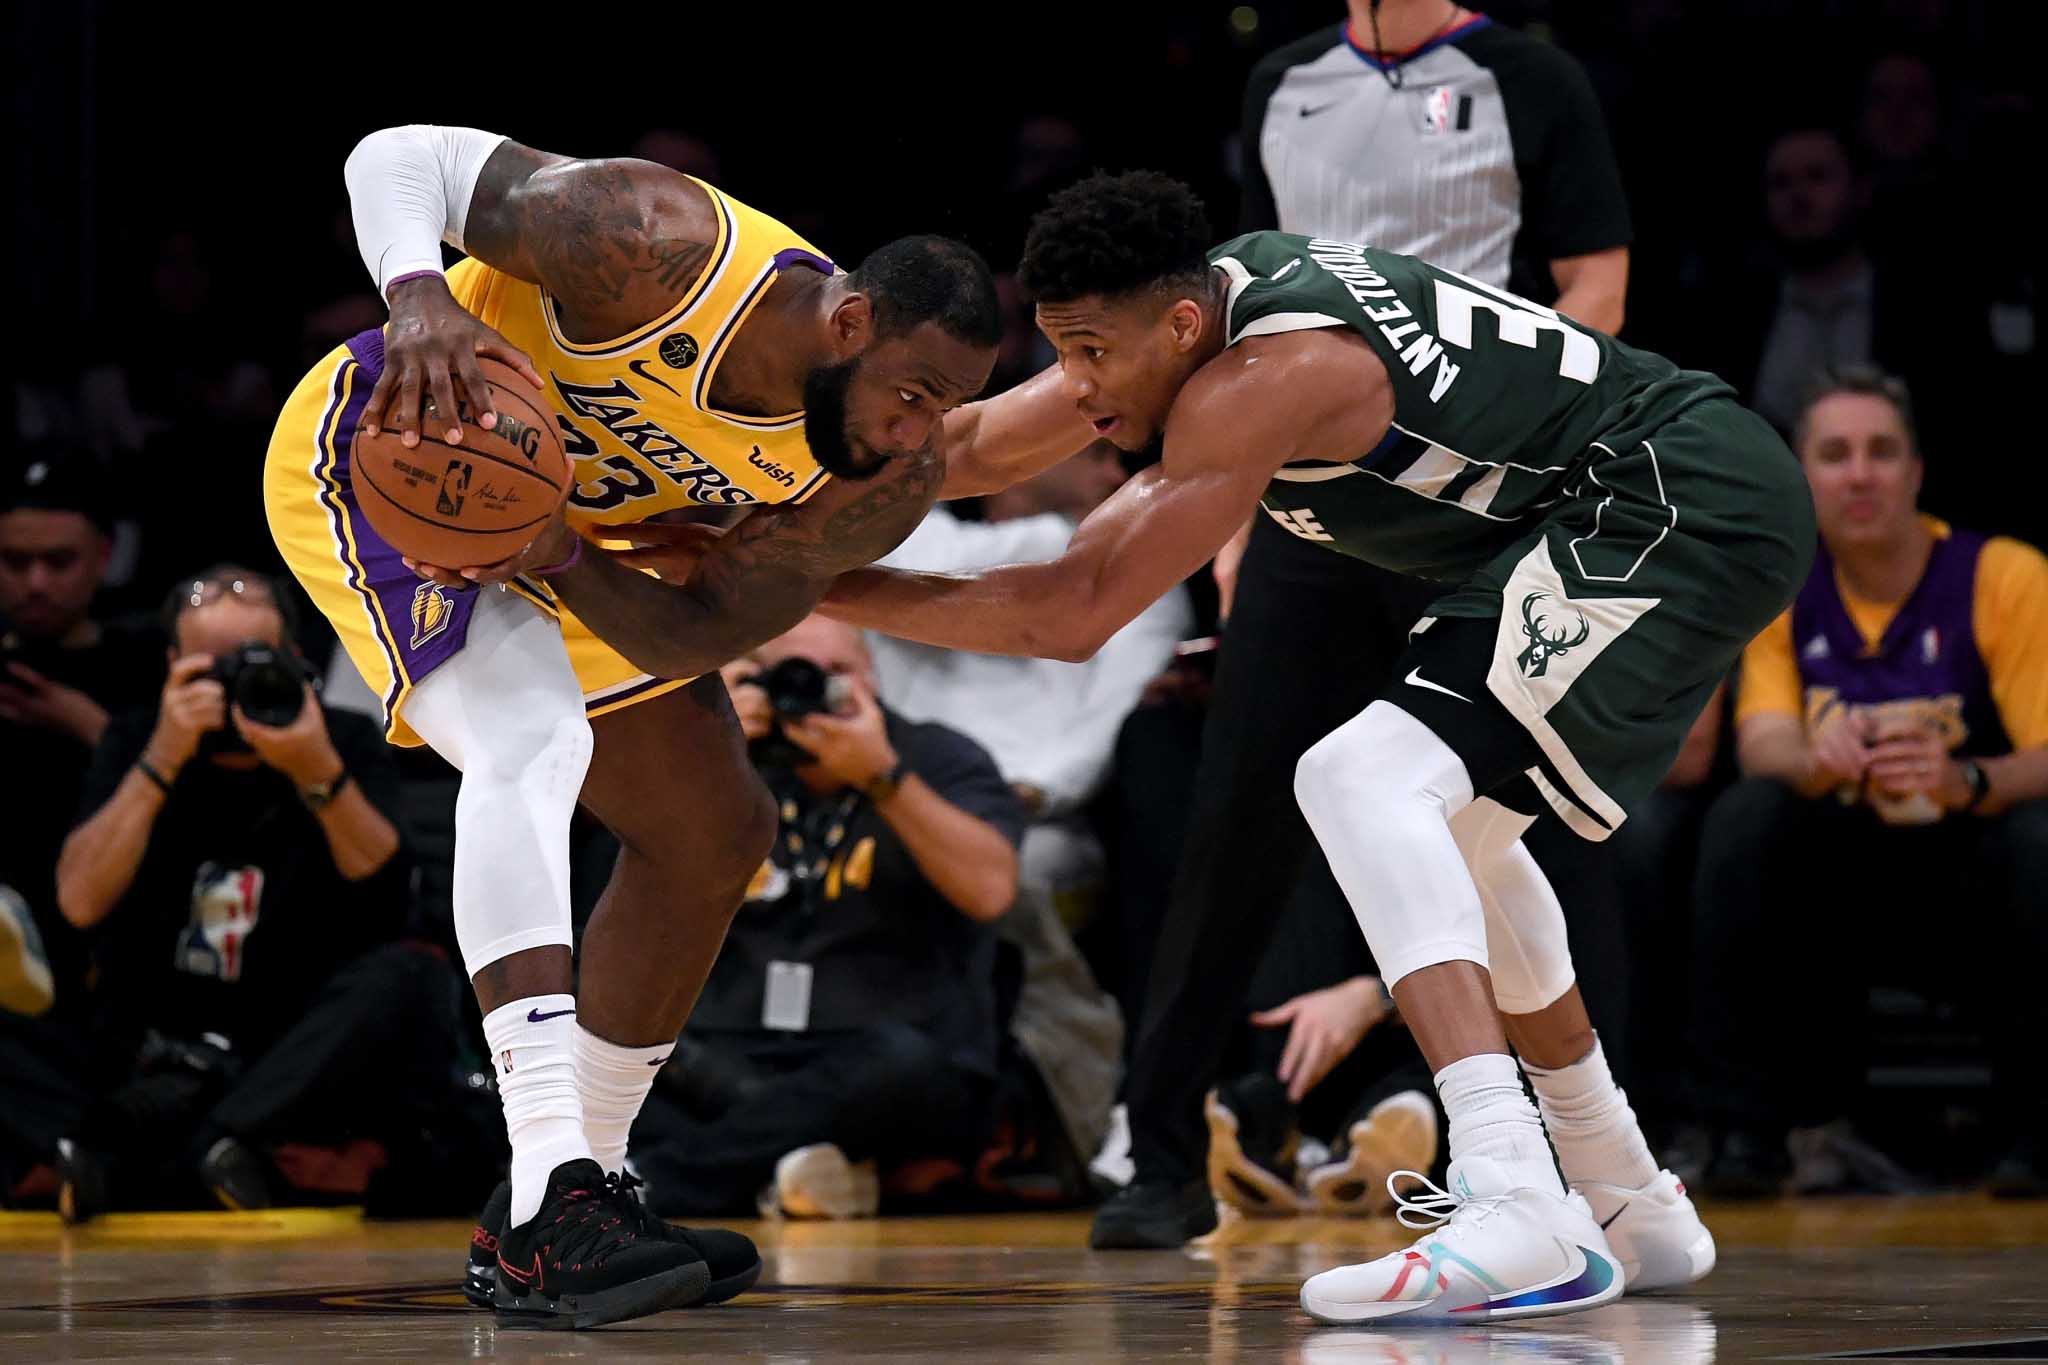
point(1113, 235)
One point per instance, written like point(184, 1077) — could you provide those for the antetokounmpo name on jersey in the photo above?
point(1345, 262)
point(616, 407)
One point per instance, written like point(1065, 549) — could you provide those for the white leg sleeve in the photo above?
point(508, 712)
point(1525, 936)
point(1379, 792)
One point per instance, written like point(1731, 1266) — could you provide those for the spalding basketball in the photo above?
point(462, 506)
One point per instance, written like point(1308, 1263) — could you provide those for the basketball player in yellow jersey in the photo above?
point(700, 356)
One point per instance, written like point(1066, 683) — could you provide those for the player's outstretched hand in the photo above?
point(430, 353)
point(670, 550)
point(556, 545)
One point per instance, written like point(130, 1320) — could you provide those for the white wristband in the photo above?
point(409, 190)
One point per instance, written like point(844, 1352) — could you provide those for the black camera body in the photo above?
point(266, 681)
point(796, 687)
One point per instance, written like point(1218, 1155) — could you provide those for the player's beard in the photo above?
point(825, 431)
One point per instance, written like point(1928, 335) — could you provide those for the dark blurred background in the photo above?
point(179, 212)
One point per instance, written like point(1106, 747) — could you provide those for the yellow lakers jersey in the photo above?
point(635, 412)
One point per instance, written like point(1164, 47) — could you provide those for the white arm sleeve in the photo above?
point(409, 191)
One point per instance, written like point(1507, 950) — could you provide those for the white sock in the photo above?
point(613, 1082)
point(1491, 1117)
point(534, 1049)
point(1596, 1133)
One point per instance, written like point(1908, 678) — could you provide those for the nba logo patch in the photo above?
point(1930, 646)
point(431, 612)
point(1442, 112)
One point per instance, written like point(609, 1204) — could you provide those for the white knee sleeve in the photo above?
point(507, 710)
point(1379, 792)
point(1525, 935)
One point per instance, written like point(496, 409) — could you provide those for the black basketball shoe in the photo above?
point(582, 1261)
point(1153, 1215)
point(733, 1261)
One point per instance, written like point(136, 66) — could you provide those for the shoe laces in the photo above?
point(590, 1225)
point(1436, 1205)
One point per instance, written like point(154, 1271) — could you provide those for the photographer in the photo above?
point(852, 1013)
point(243, 879)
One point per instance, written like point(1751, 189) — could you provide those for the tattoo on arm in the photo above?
point(615, 242)
point(765, 576)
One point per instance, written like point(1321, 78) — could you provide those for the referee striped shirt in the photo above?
point(1491, 158)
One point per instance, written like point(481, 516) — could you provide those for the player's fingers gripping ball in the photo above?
point(474, 503)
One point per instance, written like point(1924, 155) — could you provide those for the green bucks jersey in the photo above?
point(1501, 406)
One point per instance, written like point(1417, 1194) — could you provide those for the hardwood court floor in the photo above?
point(1939, 1278)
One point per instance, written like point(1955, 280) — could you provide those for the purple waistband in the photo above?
point(368, 349)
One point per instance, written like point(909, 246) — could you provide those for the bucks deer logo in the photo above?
point(1545, 643)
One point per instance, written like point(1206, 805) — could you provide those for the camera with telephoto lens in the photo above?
point(796, 687)
point(265, 681)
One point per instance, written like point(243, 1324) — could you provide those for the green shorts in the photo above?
point(1577, 659)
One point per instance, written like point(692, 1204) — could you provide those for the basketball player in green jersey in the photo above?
point(1610, 530)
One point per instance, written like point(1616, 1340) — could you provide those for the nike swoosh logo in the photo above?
point(1307, 112)
point(639, 367)
point(535, 1016)
point(659, 1060)
point(1608, 1221)
point(1415, 679)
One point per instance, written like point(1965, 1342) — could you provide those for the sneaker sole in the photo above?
point(731, 1286)
point(824, 1184)
point(1499, 1308)
point(675, 1288)
point(26, 986)
point(1697, 1259)
point(1235, 1179)
point(1378, 1148)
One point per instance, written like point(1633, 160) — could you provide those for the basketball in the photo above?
point(470, 504)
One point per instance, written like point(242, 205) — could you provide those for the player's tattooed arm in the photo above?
point(614, 242)
point(755, 581)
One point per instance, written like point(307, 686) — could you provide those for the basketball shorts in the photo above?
point(1567, 671)
point(396, 626)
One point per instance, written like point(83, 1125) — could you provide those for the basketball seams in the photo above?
point(361, 476)
point(494, 459)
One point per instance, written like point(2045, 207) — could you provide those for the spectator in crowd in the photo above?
point(1655, 857)
point(237, 863)
point(1420, 127)
point(1829, 303)
point(1336, 1097)
point(1891, 826)
point(62, 671)
point(1051, 728)
point(852, 1014)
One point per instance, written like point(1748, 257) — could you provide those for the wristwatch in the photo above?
point(319, 794)
point(1979, 780)
point(880, 789)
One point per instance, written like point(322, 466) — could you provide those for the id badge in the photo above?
point(786, 1004)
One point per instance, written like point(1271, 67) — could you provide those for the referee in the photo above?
point(1421, 127)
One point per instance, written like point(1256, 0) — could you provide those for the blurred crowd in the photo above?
point(215, 989)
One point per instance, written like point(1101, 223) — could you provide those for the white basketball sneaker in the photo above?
point(1510, 1253)
point(1655, 1232)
